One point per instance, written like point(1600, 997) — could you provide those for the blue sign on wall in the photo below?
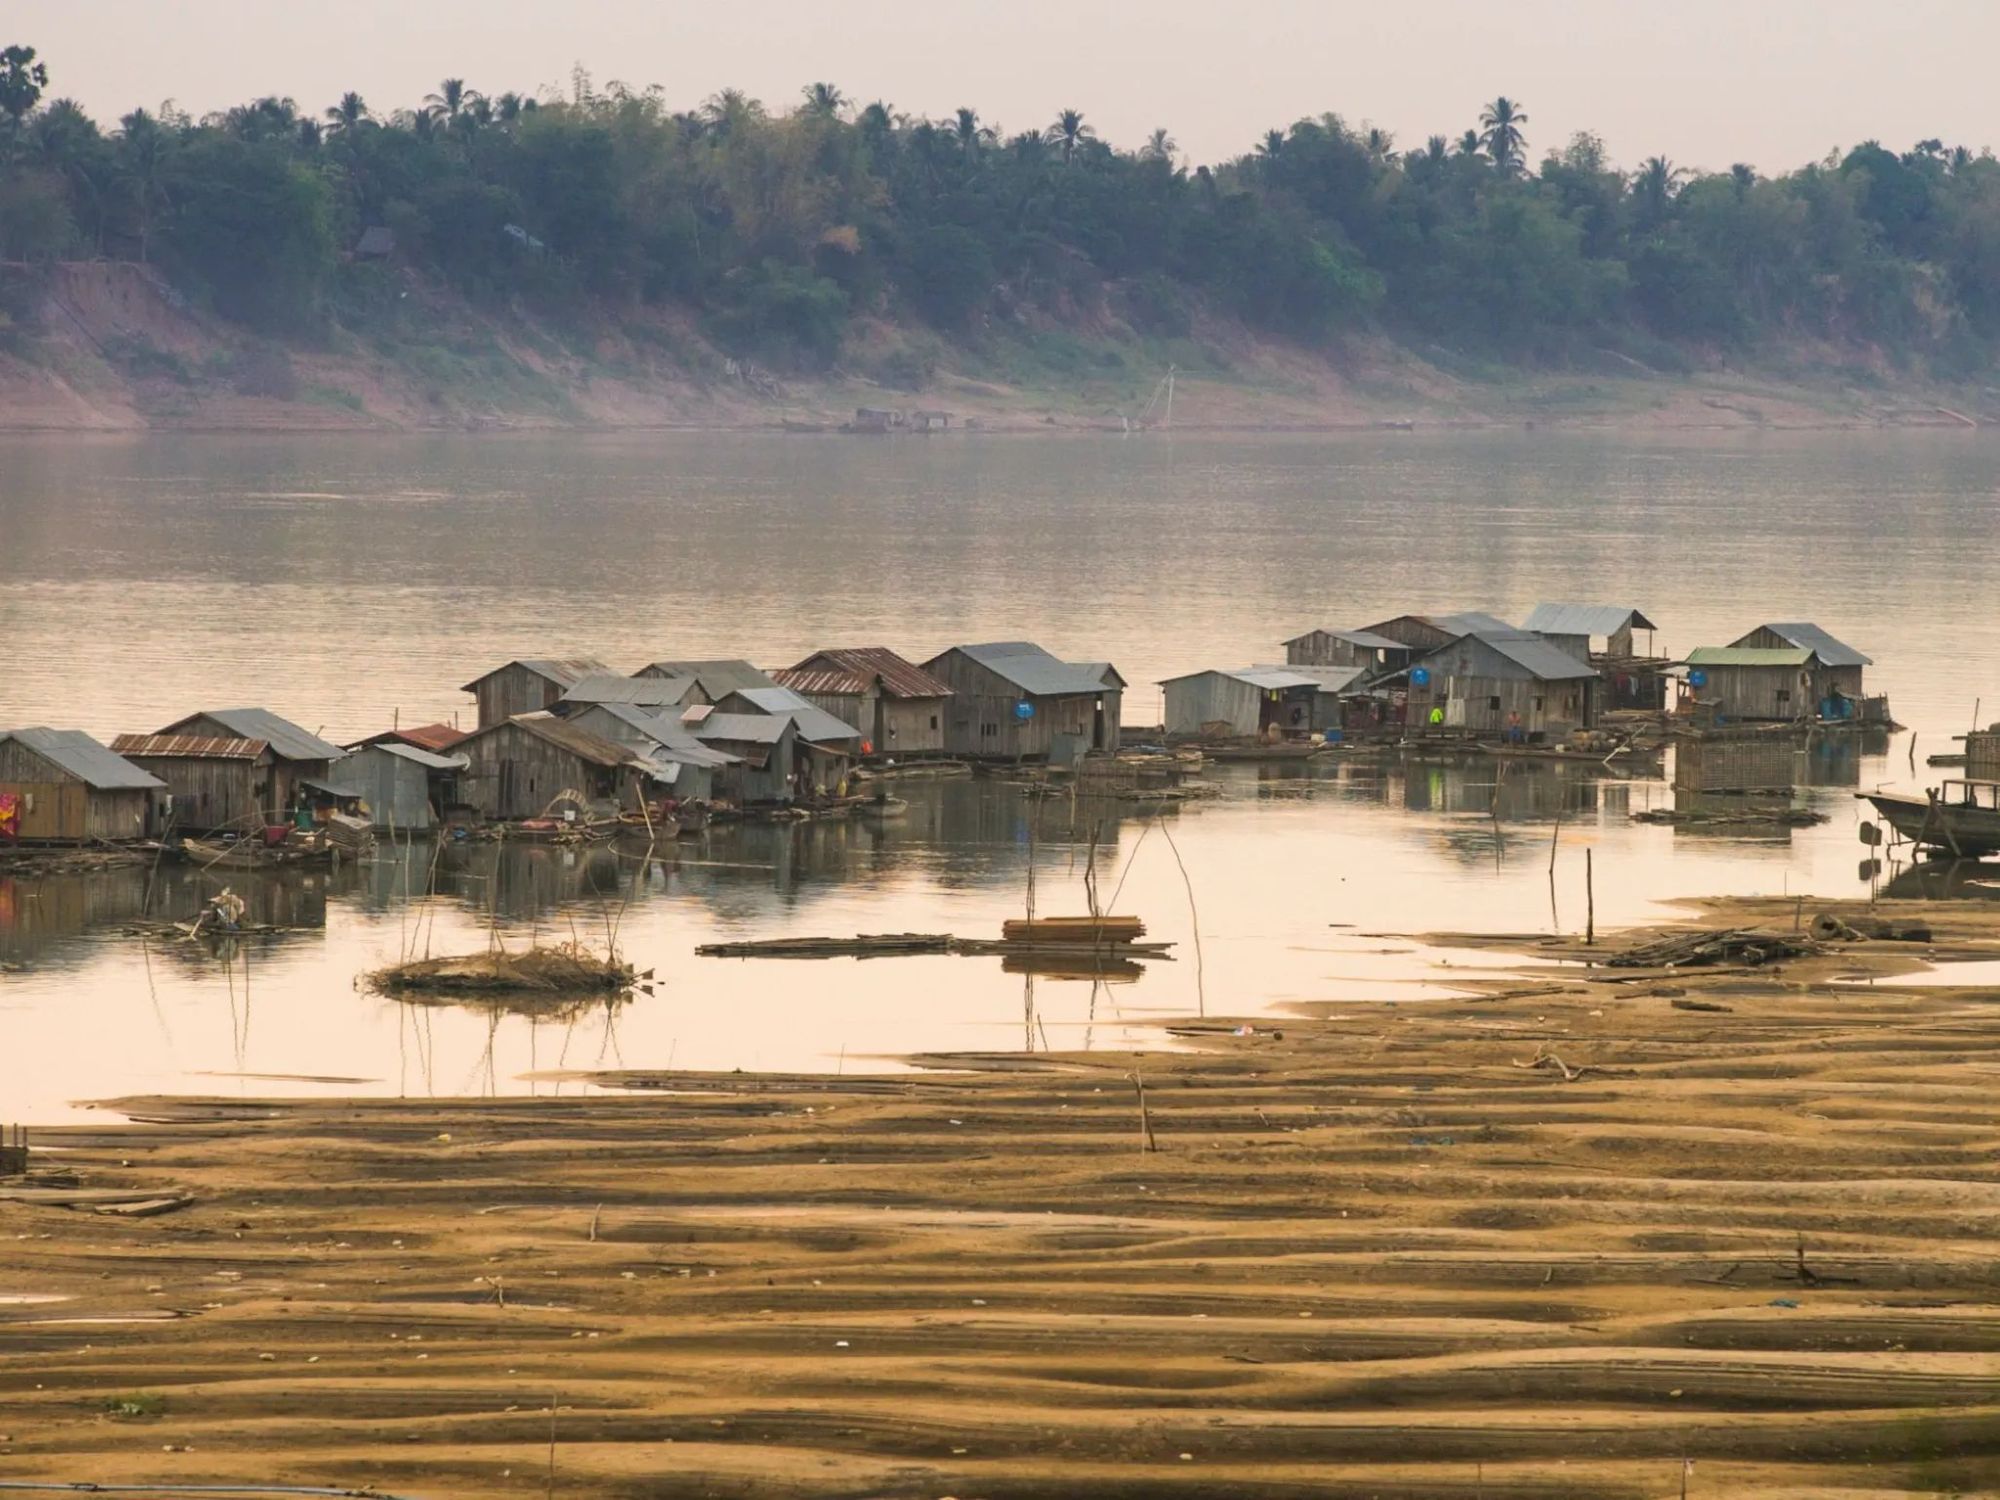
point(1698, 678)
point(1024, 711)
point(1420, 676)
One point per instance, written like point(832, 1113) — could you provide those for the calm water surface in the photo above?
point(346, 581)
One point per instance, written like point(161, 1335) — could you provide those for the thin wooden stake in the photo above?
point(595, 1214)
point(1147, 1141)
point(552, 1444)
point(1590, 902)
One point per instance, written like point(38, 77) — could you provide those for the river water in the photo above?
point(346, 581)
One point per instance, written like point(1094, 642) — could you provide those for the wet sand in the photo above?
point(1546, 1239)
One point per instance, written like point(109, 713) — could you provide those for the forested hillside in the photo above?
point(793, 237)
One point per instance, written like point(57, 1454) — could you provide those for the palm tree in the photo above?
point(970, 135)
point(424, 125)
point(452, 98)
point(1654, 186)
point(1961, 158)
point(1500, 133)
point(1381, 147)
point(1468, 144)
point(508, 107)
point(1744, 176)
point(729, 111)
point(347, 116)
point(1069, 133)
point(1159, 147)
point(1030, 148)
point(1436, 151)
point(142, 150)
point(1271, 145)
point(310, 134)
point(824, 100)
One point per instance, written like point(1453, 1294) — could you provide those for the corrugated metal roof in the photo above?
point(1473, 622)
point(1586, 619)
point(1272, 679)
point(566, 736)
point(1750, 656)
point(288, 741)
point(1328, 679)
point(84, 758)
point(901, 677)
point(744, 729)
point(1368, 640)
point(647, 692)
point(668, 733)
point(1106, 674)
point(422, 758)
point(564, 671)
point(816, 725)
point(1536, 655)
point(716, 677)
point(187, 747)
point(1831, 650)
point(1034, 671)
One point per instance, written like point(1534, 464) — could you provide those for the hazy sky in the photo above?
point(1708, 82)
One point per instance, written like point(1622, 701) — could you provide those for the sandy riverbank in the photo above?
point(1386, 1253)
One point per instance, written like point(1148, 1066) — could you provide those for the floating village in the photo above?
point(567, 748)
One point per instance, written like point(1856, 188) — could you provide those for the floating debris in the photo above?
point(564, 969)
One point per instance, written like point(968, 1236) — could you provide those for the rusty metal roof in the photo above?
point(288, 741)
point(827, 682)
point(188, 747)
point(436, 738)
point(901, 677)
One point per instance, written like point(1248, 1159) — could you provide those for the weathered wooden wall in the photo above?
point(210, 793)
point(981, 721)
point(57, 807)
point(1759, 692)
point(513, 690)
point(515, 774)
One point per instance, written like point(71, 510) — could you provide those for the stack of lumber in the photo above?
point(1093, 931)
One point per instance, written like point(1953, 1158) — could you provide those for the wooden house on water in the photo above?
point(764, 747)
point(1251, 702)
point(530, 684)
point(692, 771)
point(827, 747)
point(526, 766)
point(215, 783)
point(1011, 700)
point(1836, 690)
point(60, 786)
point(1606, 636)
point(1347, 648)
point(300, 760)
point(1501, 684)
point(405, 789)
point(1578, 629)
point(898, 706)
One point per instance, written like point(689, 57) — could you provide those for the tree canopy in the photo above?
point(781, 228)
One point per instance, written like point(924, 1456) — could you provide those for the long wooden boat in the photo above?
point(1960, 817)
point(249, 854)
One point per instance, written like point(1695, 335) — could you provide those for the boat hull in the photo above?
point(1972, 832)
